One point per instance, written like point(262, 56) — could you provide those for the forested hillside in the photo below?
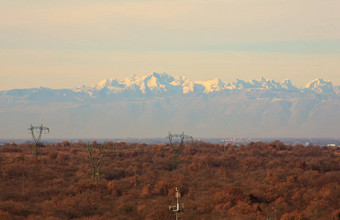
point(257, 181)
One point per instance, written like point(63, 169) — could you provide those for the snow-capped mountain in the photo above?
point(152, 105)
point(164, 84)
point(149, 84)
point(320, 86)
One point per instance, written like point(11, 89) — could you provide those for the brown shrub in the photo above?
point(52, 155)
point(65, 144)
point(295, 215)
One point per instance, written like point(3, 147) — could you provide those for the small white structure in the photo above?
point(177, 208)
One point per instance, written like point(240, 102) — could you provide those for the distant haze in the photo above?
point(153, 104)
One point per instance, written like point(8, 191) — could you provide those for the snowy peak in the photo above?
point(287, 84)
point(186, 84)
point(109, 84)
point(164, 84)
point(162, 78)
point(210, 86)
point(146, 84)
point(320, 86)
point(155, 82)
point(317, 83)
point(266, 84)
point(263, 83)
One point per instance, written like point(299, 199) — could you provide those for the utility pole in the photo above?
point(178, 150)
point(177, 208)
point(36, 140)
point(96, 174)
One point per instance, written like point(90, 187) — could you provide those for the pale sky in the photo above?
point(67, 43)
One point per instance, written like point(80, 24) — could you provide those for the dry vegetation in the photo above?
point(257, 181)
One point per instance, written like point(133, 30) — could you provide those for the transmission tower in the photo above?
point(181, 136)
point(96, 174)
point(36, 139)
point(177, 150)
point(177, 208)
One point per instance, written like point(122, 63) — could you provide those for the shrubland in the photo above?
point(254, 181)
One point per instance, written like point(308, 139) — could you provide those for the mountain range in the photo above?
point(162, 84)
point(154, 104)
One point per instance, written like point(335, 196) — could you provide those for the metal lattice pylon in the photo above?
point(96, 174)
point(177, 150)
point(37, 139)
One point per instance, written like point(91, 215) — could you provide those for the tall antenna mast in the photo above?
point(37, 139)
point(177, 208)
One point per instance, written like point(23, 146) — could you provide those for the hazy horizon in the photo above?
point(153, 105)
